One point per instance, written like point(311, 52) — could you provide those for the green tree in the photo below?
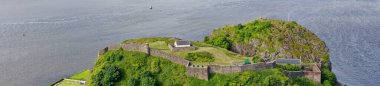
point(327, 75)
point(106, 77)
point(148, 81)
point(132, 82)
point(272, 81)
point(327, 83)
point(220, 41)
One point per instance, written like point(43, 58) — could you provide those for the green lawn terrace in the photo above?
point(222, 56)
point(78, 79)
point(70, 82)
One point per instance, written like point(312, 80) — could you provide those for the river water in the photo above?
point(44, 40)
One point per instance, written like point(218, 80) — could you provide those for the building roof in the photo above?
point(288, 61)
point(182, 42)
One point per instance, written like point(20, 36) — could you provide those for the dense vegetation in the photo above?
point(140, 69)
point(200, 57)
point(289, 67)
point(107, 76)
point(270, 39)
point(327, 76)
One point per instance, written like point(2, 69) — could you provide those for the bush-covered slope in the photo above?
point(127, 68)
point(270, 39)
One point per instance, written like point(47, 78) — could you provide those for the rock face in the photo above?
point(270, 39)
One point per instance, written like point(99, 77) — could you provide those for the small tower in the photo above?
point(146, 48)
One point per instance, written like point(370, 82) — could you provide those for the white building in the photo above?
point(182, 44)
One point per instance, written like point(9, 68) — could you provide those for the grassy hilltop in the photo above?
point(252, 42)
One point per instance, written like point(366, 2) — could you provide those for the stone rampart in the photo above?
point(114, 46)
point(224, 69)
point(201, 72)
point(102, 51)
point(170, 57)
point(239, 68)
point(257, 66)
point(136, 47)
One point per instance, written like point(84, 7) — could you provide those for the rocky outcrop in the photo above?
point(279, 39)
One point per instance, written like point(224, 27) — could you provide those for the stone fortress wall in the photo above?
point(313, 74)
point(170, 57)
point(203, 72)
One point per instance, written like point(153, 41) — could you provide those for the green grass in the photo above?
point(161, 45)
point(151, 39)
point(81, 75)
point(200, 57)
point(222, 56)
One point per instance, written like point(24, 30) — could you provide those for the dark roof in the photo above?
point(183, 42)
point(288, 61)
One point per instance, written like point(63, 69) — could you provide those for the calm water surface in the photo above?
point(62, 37)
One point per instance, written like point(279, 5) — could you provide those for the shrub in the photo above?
point(200, 57)
point(274, 80)
point(139, 60)
point(301, 81)
point(115, 56)
point(327, 75)
point(132, 82)
point(220, 41)
point(257, 59)
point(148, 81)
point(289, 67)
point(155, 66)
point(327, 83)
